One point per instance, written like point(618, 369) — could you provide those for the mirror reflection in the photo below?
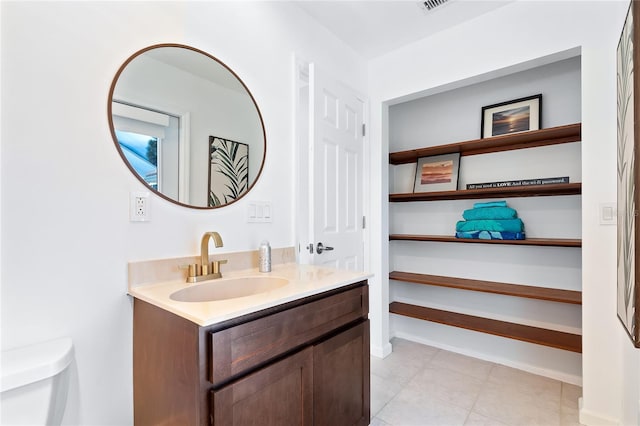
point(187, 126)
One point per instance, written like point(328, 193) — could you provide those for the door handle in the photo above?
point(320, 248)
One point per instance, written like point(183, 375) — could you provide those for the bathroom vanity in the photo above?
point(296, 355)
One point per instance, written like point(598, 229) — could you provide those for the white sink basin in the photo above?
point(223, 289)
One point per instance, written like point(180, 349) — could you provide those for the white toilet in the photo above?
point(35, 381)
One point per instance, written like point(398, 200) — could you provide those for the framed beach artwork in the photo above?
point(437, 173)
point(228, 170)
point(518, 115)
point(628, 111)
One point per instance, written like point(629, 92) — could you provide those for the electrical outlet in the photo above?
point(139, 207)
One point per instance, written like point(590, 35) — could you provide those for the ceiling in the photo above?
point(375, 27)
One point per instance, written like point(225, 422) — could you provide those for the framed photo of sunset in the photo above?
point(518, 115)
point(437, 173)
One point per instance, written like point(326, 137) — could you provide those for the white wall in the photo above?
point(66, 235)
point(526, 31)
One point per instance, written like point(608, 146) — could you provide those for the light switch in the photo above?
point(259, 212)
point(607, 213)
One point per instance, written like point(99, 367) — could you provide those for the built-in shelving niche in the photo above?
point(546, 336)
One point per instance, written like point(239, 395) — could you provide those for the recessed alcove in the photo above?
point(422, 227)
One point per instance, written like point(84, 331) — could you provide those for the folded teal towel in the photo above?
point(490, 213)
point(491, 235)
point(510, 225)
point(490, 204)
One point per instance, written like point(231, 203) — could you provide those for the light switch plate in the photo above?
point(608, 213)
point(259, 212)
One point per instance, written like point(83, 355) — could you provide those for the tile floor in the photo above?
point(419, 385)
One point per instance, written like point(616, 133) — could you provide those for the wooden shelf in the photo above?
point(517, 290)
point(531, 139)
point(541, 336)
point(510, 192)
point(552, 242)
point(536, 138)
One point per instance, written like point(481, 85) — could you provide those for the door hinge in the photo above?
point(364, 222)
point(363, 129)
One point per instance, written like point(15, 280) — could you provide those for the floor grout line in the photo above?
point(482, 388)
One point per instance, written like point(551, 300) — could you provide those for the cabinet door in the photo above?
point(341, 381)
point(277, 395)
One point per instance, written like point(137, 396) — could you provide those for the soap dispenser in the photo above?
point(264, 257)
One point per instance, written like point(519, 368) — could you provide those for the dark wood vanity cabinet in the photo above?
point(305, 362)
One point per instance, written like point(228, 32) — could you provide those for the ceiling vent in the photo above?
point(431, 4)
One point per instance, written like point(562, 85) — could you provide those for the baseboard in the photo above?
point(381, 351)
point(592, 419)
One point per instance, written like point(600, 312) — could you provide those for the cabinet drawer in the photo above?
point(240, 348)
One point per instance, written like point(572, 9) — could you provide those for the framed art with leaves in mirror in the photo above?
point(228, 171)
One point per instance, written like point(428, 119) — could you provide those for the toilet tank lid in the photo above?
point(32, 363)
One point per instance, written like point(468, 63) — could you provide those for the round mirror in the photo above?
point(186, 126)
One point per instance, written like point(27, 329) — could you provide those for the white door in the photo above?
point(336, 179)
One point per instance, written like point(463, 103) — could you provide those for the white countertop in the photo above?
point(304, 280)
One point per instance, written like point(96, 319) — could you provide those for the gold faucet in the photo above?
point(206, 271)
point(204, 249)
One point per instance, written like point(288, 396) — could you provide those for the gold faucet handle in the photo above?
point(193, 269)
point(215, 265)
